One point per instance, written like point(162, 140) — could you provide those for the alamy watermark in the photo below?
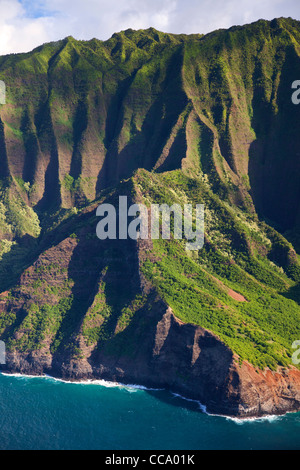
point(2, 92)
point(296, 355)
point(2, 353)
point(154, 224)
point(296, 94)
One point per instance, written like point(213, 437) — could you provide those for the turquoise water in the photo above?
point(43, 413)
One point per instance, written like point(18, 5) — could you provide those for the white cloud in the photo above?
point(206, 15)
point(17, 31)
point(26, 24)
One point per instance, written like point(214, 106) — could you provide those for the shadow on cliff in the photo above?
point(121, 284)
point(147, 144)
point(293, 293)
point(111, 261)
point(160, 353)
point(274, 164)
point(176, 400)
point(132, 348)
point(14, 262)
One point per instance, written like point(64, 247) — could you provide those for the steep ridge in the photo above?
point(83, 115)
point(168, 119)
point(210, 327)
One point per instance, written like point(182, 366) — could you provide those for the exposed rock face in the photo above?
point(215, 114)
point(266, 393)
point(154, 348)
point(220, 104)
point(185, 359)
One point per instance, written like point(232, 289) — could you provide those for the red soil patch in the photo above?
point(234, 295)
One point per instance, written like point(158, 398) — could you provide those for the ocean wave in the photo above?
point(22, 376)
point(238, 421)
point(201, 406)
point(268, 418)
point(99, 382)
point(131, 388)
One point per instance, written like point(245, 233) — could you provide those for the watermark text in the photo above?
point(183, 222)
point(296, 94)
point(2, 353)
point(2, 92)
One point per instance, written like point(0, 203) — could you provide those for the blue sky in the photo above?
point(25, 24)
point(35, 8)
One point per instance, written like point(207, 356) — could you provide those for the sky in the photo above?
point(25, 24)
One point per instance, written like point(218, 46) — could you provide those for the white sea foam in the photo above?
point(99, 382)
point(268, 418)
point(133, 388)
point(238, 421)
point(201, 406)
point(22, 376)
point(105, 383)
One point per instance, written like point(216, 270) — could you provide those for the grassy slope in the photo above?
point(82, 115)
point(260, 330)
point(69, 297)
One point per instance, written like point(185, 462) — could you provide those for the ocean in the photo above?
point(41, 413)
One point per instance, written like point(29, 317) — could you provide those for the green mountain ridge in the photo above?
point(161, 118)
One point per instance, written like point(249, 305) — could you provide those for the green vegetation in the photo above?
point(41, 321)
point(259, 329)
point(165, 119)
